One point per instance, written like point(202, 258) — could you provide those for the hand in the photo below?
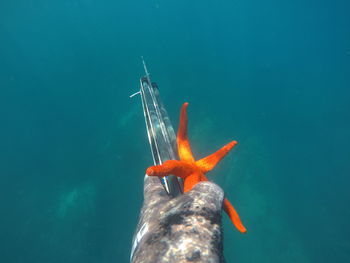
point(186, 228)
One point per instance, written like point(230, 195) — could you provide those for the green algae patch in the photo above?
point(78, 200)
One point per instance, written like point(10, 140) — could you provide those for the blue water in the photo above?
point(273, 75)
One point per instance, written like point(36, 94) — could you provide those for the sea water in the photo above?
point(273, 75)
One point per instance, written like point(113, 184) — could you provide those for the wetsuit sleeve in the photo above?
point(183, 229)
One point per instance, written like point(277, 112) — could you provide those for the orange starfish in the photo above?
point(194, 171)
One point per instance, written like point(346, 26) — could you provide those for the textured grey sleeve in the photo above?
point(182, 229)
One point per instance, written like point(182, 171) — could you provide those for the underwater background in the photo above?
point(273, 75)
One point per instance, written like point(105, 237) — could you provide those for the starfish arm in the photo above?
point(208, 163)
point(175, 167)
point(191, 180)
point(183, 144)
point(233, 215)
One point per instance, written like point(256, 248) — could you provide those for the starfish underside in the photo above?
point(193, 171)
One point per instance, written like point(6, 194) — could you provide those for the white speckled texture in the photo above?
point(183, 229)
